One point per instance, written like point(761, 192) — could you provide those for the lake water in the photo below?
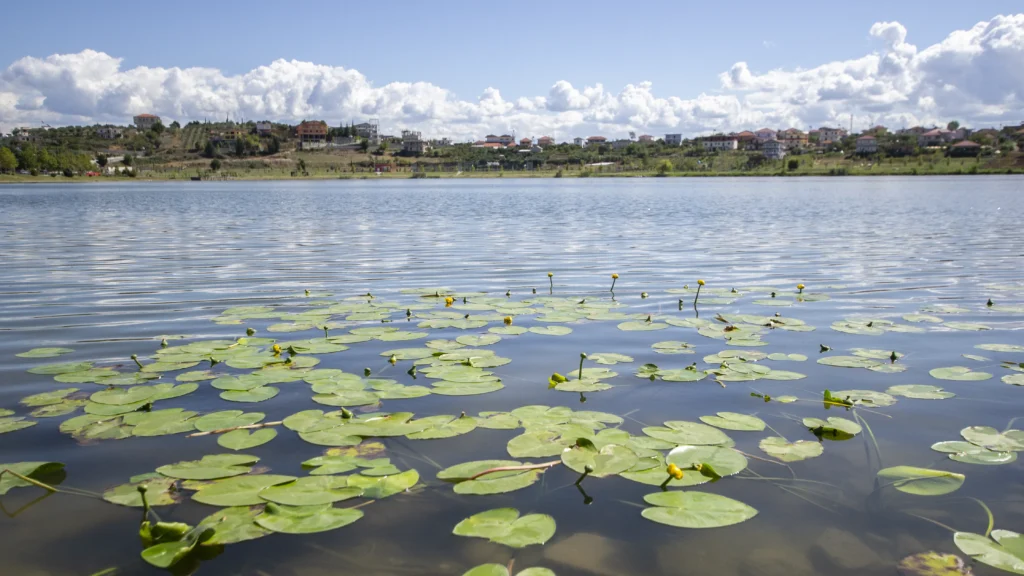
point(107, 270)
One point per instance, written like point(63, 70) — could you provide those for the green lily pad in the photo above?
point(508, 330)
point(445, 427)
point(835, 428)
point(961, 373)
point(499, 570)
point(348, 398)
point(988, 437)
point(689, 433)
point(921, 481)
point(243, 439)
point(734, 421)
point(693, 509)
point(478, 339)
point(681, 375)
point(1005, 550)
point(920, 392)
point(311, 490)
point(865, 397)
point(608, 461)
point(160, 422)
point(210, 467)
point(400, 335)
point(725, 461)
point(44, 352)
point(497, 421)
point(505, 526)
point(239, 491)
point(227, 419)
point(641, 326)
point(672, 347)
point(306, 519)
point(778, 356)
point(582, 386)
point(258, 394)
point(1001, 347)
point(33, 470)
point(922, 318)
point(609, 358)
point(160, 491)
point(848, 361)
point(972, 454)
point(47, 398)
point(195, 376)
point(64, 408)
point(790, 451)
point(124, 396)
point(233, 525)
point(875, 353)
point(378, 487)
point(60, 368)
point(970, 326)
point(1013, 379)
point(551, 330)
point(446, 388)
point(538, 444)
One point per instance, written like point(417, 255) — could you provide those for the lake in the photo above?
point(904, 265)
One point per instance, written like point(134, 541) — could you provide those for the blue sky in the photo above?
point(519, 47)
point(460, 68)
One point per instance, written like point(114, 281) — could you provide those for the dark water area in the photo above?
point(107, 270)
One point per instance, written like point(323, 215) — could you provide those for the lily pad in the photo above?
point(508, 330)
point(835, 428)
point(306, 519)
point(239, 491)
point(1001, 347)
point(920, 392)
point(933, 564)
point(725, 461)
point(478, 339)
point(233, 525)
point(672, 347)
point(505, 526)
point(227, 419)
point(972, 454)
point(961, 373)
point(210, 467)
point(60, 368)
point(33, 470)
point(970, 326)
point(378, 487)
point(47, 398)
point(734, 421)
point(1014, 379)
point(44, 352)
point(641, 326)
point(551, 330)
point(494, 483)
point(244, 439)
point(865, 397)
point(258, 394)
point(988, 437)
point(609, 358)
point(311, 490)
point(689, 433)
point(790, 451)
point(921, 481)
point(848, 361)
point(1005, 550)
point(693, 509)
point(160, 491)
point(608, 461)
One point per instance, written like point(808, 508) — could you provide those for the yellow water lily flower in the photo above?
point(550, 274)
point(276, 348)
point(615, 276)
point(800, 287)
point(508, 320)
point(700, 282)
point(448, 302)
point(675, 472)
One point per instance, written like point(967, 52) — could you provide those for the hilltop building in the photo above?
point(145, 121)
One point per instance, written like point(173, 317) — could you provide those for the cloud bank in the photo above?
point(974, 75)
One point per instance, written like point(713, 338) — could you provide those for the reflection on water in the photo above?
point(104, 269)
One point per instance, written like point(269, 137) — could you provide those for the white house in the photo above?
point(621, 144)
point(578, 141)
point(773, 149)
point(765, 134)
point(264, 128)
point(867, 145)
point(413, 142)
point(368, 130)
point(720, 142)
point(109, 132)
point(674, 139)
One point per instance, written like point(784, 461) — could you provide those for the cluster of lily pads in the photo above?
point(131, 399)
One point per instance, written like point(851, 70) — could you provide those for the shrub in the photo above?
point(793, 164)
point(68, 173)
point(585, 173)
point(558, 174)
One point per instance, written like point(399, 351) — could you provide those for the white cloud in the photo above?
point(974, 75)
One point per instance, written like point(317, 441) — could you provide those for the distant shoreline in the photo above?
point(20, 179)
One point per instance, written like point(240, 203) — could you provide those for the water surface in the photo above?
point(105, 269)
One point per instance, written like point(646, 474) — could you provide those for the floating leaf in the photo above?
point(508, 330)
point(608, 461)
point(258, 394)
point(933, 564)
point(866, 397)
point(1010, 440)
point(725, 461)
point(48, 398)
point(641, 325)
point(790, 451)
point(920, 391)
point(734, 421)
point(609, 358)
point(848, 361)
point(695, 509)
point(306, 519)
point(34, 470)
point(160, 491)
point(61, 368)
point(972, 454)
point(921, 481)
point(971, 326)
point(445, 427)
point(227, 419)
point(210, 467)
point(551, 330)
point(778, 356)
point(311, 490)
point(1014, 379)
point(44, 352)
point(835, 428)
point(538, 444)
point(959, 373)
point(689, 433)
point(1005, 550)
point(505, 526)
point(494, 483)
point(239, 491)
point(672, 347)
point(11, 424)
point(233, 525)
point(124, 396)
point(478, 340)
point(243, 439)
point(1001, 347)
point(922, 318)
point(383, 486)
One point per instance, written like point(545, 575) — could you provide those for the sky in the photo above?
point(464, 69)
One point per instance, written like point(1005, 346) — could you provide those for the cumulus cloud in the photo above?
point(975, 75)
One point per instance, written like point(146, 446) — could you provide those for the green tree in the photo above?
point(364, 145)
point(664, 167)
point(953, 125)
point(274, 147)
point(793, 164)
point(28, 158)
point(239, 147)
point(8, 162)
point(127, 160)
point(302, 165)
point(175, 125)
point(215, 164)
point(101, 160)
point(158, 128)
point(209, 151)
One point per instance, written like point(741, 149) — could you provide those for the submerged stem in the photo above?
point(936, 522)
point(991, 519)
point(246, 427)
point(543, 465)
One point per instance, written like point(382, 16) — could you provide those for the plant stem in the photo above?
point(991, 519)
point(936, 522)
point(543, 465)
point(46, 487)
point(697, 296)
point(579, 376)
point(246, 427)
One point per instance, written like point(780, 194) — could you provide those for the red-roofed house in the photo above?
point(965, 148)
point(312, 134)
point(145, 121)
point(545, 141)
point(792, 138)
point(596, 140)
